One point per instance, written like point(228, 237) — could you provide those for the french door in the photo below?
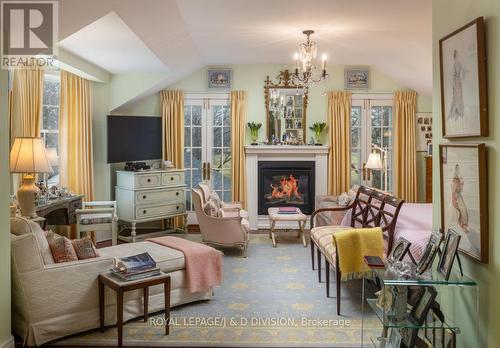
point(371, 123)
point(207, 145)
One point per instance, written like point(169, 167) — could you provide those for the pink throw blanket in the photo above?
point(203, 263)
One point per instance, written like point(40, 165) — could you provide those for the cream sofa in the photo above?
point(50, 301)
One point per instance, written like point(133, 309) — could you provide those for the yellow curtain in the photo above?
point(172, 112)
point(238, 127)
point(27, 100)
point(339, 134)
point(405, 165)
point(75, 136)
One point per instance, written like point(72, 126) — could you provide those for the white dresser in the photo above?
point(148, 196)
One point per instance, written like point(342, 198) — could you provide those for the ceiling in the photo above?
point(178, 37)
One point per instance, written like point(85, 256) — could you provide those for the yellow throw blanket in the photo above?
point(353, 245)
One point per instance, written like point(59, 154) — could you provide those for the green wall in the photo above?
point(4, 213)
point(449, 15)
point(250, 77)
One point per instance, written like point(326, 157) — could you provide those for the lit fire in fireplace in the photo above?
point(288, 189)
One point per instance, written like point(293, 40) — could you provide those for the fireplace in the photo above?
point(286, 184)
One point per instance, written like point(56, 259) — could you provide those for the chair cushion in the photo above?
point(84, 248)
point(61, 248)
point(231, 205)
point(234, 213)
point(319, 233)
point(96, 219)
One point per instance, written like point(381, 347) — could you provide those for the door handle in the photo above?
point(364, 171)
point(204, 171)
point(208, 171)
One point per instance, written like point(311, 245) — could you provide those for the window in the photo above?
point(50, 124)
point(371, 123)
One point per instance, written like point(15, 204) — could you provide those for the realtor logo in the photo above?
point(29, 33)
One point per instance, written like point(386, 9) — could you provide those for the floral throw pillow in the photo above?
point(61, 248)
point(214, 196)
point(84, 248)
point(211, 208)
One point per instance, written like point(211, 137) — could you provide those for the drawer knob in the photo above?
point(144, 212)
point(144, 197)
point(149, 180)
point(177, 207)
point(177, 193)
point(171, 178)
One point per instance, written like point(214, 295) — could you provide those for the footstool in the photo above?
point(275, 216)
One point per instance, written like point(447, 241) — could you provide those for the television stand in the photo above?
point(153, 195)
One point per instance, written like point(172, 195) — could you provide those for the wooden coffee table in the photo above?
point(120, 287)
point(275, 216)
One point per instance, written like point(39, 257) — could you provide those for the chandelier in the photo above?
point(306, 73)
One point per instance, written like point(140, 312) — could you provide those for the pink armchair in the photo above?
point(221, 231)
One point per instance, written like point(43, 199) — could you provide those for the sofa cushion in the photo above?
point(20, 226)
point(167, 259)
point(84, 248)
point(61, 248)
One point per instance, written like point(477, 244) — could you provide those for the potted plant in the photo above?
point(318, 128)
point(254, 131)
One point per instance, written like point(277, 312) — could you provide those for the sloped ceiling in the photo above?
point(393, 36)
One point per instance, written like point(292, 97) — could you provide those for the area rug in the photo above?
point(271, 298)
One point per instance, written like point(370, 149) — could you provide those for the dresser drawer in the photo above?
point(170, 195)
point(160, 210)
point(175, 178)
point(148, 180)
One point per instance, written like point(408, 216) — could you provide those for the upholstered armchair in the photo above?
point(227, 209)
point(220, 230)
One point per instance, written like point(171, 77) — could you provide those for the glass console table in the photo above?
point(458, 311)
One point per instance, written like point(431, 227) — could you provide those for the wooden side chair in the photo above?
point(97, 216)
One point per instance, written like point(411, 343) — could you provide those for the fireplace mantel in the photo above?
point(256, 153)
point(280, 149)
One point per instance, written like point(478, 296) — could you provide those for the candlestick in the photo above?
point(324, 62)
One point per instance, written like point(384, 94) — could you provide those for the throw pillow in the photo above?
point(344, 200)
point(211, 209)
point(61, 248)
point(84, 248)
point(214, 196)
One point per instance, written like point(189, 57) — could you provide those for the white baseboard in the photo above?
point(9, 343)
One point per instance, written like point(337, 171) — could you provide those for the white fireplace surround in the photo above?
point(254, 154)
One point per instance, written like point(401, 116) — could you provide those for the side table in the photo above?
point(120, 287)
point(275, 216)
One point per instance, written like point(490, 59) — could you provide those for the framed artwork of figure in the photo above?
point(464, 196)
point(462, 58)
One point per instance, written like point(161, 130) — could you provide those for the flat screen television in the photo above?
point(134, 138)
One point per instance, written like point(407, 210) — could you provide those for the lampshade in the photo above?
point(28, 155)
point(374, 161)
point(52, 156)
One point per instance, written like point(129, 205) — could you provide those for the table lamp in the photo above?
point(377, 162)
point(28, 156)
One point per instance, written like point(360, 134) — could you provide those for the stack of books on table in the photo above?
point(287, 210)
point(135, 267)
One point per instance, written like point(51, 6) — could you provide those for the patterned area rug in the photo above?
point(270, 299)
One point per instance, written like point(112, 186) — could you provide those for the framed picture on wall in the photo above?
point(424, 131)
point(221, 79)
point(357, 78)
point(462, 58)
point(464, 196)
